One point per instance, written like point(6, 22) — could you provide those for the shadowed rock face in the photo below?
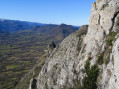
point(52, 45)
point(99, 45)
point(34, 86)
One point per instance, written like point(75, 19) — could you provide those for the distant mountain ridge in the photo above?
point(7, 25)
point(16, 25)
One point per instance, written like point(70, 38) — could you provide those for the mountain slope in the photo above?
point(85, 61)
point(33, 74)
point(20, 50)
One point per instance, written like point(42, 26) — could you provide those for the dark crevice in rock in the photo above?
point(34, 85)
point(99, 19)
point(52, 45)
point(113, 19)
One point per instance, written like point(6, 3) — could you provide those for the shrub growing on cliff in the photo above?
point(100, 59)
point(103, 6)
point(90, 80)
point(110, 38)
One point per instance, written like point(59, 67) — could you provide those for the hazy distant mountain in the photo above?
point(15, 25)
point(56, 32)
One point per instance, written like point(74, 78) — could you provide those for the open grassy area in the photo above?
point(12, 66)
point(26, 62)
point(4, 47)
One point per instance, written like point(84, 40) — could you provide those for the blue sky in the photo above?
point(74, 12)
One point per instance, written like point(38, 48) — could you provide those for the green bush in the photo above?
point(110, 38)
point(100, 59)
point(103, 6)
point(90, 79)
point(106, 61)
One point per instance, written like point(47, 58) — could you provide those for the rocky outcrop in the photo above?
point(51, 47)
point(86, 59)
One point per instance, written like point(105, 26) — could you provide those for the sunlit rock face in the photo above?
point(61, 64)
point(104, 20)
point(66, 62)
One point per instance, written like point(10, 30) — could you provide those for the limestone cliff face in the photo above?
point(100, 45)
point(103, 34)
point(59, 70)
